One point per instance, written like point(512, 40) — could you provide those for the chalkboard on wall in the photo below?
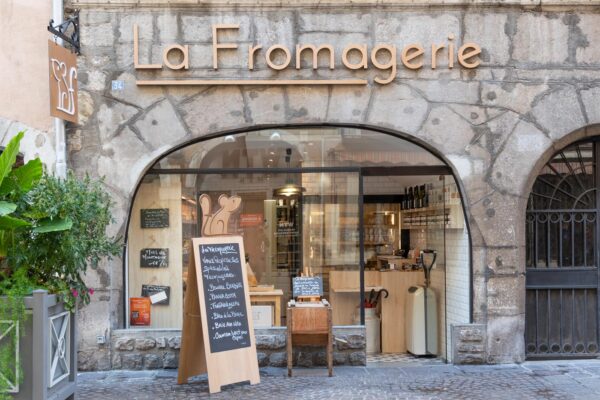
point(307, 286)
point(153, 218)
point(224, 296)
point(154, 258)
point(158, 294)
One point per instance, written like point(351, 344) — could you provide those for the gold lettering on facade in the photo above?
point(450, 51)
point(315, 54)
point(278, 57)
point(185, 55)
point(434, 49)
point(136, 53)
point(391, 64)
point(362, 49)
point(411, 52)
point(217, 45)
point(251, 51)
point(467, 51)
point(288, 57)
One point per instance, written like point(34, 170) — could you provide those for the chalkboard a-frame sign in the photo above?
point(218, 335)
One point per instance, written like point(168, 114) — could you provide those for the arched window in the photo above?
point(326, 201)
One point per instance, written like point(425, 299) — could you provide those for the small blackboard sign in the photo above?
point(310, 286)
point(158, 294)
point(154, 258)
point(153, 218)
point(224, 296)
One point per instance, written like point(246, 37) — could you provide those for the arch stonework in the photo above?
point(495, 125)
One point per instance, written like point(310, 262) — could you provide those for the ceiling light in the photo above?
point(275, 136)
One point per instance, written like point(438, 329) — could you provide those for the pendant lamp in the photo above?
point(290, 188)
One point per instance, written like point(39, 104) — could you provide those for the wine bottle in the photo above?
point(410, 198)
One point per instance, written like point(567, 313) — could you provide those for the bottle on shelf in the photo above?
point(416, 197)
point(410, 198)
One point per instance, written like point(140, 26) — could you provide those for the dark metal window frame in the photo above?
point(571, 278)
point(363, 171)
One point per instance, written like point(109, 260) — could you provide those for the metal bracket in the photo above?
point(61, 31)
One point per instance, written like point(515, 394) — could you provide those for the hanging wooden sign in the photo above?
point(218, 336)
point(63, 82)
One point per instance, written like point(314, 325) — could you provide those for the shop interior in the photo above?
point(354, 207)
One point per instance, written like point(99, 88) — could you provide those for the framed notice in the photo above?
point(157, 294)
point(154, 258)
point(154, 218)
point(224, 334)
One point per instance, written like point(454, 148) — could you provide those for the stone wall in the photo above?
point(469, 344)
point(152, 349)
point(538, 89)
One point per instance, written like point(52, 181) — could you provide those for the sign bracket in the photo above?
point(61, 31)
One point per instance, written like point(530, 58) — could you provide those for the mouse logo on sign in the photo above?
point(216, 223)
point(63, 83)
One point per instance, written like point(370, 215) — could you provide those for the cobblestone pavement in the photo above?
point(531, 380)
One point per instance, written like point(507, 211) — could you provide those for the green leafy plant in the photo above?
point(69, 235)
point(51, 230)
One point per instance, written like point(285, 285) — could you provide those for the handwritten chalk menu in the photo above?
point(154, 258)
point(153, 218)
point(221, 342)
point(307, 286)
point(224, 296)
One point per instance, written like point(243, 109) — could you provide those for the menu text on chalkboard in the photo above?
point(307, 286)
point(224, 296)
point(155, 218)
point(154, 258)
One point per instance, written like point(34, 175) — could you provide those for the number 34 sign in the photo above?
point(63, 82)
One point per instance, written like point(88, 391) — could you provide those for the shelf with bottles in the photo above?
point(450, 217)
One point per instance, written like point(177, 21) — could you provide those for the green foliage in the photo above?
point(51, 230)
point(69, 234)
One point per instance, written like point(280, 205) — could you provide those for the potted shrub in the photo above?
point(51, 231)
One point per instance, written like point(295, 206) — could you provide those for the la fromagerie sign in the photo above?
point(385, 59)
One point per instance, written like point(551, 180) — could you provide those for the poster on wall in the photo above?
point(154, 258)
point(139, 311)
point(153, 218)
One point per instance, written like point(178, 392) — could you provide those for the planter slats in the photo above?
point(48, 350)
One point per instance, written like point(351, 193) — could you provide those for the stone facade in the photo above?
point(143, 349)
point(537, 90)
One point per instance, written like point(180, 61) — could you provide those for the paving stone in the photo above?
point(420, 381)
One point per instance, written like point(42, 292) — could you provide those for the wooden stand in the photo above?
point(310, 326)
point(197, 353)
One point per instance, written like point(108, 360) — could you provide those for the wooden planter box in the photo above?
point(47, 350)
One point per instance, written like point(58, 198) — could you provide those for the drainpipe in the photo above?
point(59, 125)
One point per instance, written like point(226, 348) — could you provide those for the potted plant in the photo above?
point(51, 231)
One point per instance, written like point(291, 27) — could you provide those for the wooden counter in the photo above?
point(344, 299)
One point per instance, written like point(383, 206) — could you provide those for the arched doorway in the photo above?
point(562, 255)
point(349, 216)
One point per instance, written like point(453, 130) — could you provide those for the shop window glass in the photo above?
point(315, 230)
